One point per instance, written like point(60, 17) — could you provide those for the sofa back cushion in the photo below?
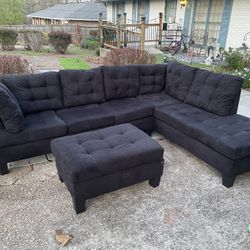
point(121, 81)
point(216, 93)
point(36, 92)
point(179, 79)
point(81, 87)
point(152, 78)
point(11, 116)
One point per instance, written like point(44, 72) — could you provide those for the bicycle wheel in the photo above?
point(174, 47)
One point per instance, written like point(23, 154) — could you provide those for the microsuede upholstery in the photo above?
point(121, 81)
point(39, 126)
point(11, 115)
point(81, 87)
point(158, 99)
point(105, 151)
point(88, 117)
point(37, 92)
point(179, 79)
point(152, 78)
point(213, 92)
point(182, 116)
point(229, 135)
point(128, 109)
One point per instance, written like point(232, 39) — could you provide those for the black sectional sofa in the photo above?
point(192, 107)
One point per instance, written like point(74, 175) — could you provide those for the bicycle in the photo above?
point(181, 45)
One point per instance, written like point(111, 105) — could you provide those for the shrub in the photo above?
point(8, 39)
point(128, 56)
point(234, 59)
point(13, 65)
point(60, 41)
point(34, 40)
point(94, 34)
point(90, 43)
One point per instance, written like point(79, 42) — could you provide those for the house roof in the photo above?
point(74, 11)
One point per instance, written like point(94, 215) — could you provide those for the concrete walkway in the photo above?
point(244, 105)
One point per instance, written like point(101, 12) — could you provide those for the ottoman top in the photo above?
point(105, 151)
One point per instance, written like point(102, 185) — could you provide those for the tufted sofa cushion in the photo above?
point(182, 116)
point(11, 115)
point(213, 92)
point(152, 78)
point(40, 126)
point(81, 87)
point(87, 117)
point(158, 99)
point(179, 79)
point(38, 92)
point(128, 109)
point(229, 135)
point(121, 81)
point(105, 151)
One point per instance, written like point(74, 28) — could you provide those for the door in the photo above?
point(170, 11)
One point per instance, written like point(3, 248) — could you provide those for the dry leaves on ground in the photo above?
point(62, 238)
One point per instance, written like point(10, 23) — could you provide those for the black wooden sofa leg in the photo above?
point(4, 169)
point(155, 182)
point(79, 205)
point(228, 180)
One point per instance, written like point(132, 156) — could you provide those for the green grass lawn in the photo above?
point(73, 63)
point(159, 58)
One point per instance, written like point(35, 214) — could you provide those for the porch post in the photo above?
point(160, 27)
point(143, 19)
point(118, 30)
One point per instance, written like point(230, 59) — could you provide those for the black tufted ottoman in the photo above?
point(104, 160)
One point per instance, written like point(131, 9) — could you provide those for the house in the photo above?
point(225, 21)
point(72, 13)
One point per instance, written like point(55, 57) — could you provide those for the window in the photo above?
point(170, 11)
point(207, 17)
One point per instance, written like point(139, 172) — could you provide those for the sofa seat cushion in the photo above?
point(158, 99)
point(82, 87)
point(40, 126)
point(128, 109)
point(11, 115)
point(88, 117)
point(105, 151)
point(36, 92)
point(121, 81)
point(179, 79)
point(229, 135)
point(215, 93)
point(152, 78)
point(183, 117)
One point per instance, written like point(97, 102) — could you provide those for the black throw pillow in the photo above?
point(10, 112)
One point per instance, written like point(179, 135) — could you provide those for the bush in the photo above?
point(13, 65)
point(234, 60)
point(94, 34)
point(60, 41)
point(90, 43)
point(8, 39)
point(128, 56)
point(34, 40)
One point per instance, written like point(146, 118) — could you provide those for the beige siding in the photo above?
point(239, 23)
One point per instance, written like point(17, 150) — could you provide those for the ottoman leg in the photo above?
point(155, 182)
point(3, 169)
point(79, 205)
point(228, 180)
